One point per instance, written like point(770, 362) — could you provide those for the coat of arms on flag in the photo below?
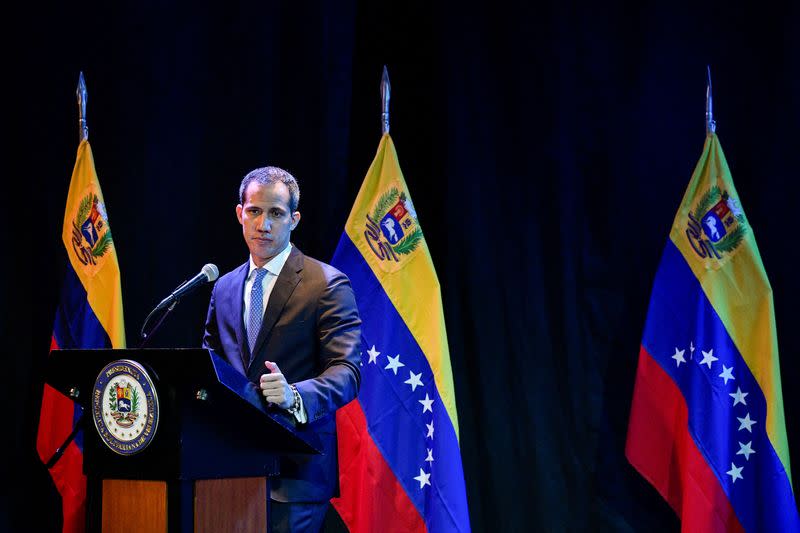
point(392, 230)
point(91, 236)
point(716, 225)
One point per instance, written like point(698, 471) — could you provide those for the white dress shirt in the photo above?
point(273, 268)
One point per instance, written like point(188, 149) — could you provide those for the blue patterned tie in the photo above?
point(256, 308)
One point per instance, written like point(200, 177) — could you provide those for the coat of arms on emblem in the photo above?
point(392, 228)
point(123, 402)
point(716, 225)
point(91, 236)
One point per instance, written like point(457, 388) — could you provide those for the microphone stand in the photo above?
point(146, 336)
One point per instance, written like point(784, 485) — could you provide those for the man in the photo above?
point(290, 324)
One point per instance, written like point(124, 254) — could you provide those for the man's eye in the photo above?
point(276, 214)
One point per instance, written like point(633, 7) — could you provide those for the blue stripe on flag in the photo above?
point(76, 326)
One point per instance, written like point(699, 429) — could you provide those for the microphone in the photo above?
point(208, 274)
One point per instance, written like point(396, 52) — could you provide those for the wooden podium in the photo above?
point(206, 447)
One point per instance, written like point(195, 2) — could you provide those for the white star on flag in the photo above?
point(735, 472)
point(746, 423)
point(426, 403)
point(414, 380)
point(394, 364)
point(679, 356)
point(423, 478)
point(746, 450)
point(726, 373)
point(738, 396)
point(708, 358)
point(430, 455)
point(430, 430)
point(373, 354)
point(691, 350)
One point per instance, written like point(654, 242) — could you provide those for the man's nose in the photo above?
point(264, 223)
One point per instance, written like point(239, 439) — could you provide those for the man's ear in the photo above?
point(295, 219)
point(239, 213)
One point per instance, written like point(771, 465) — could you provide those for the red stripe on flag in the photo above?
point(55, 425)
point(55, 418)
point(660, 447)
point(71, 484)
point(371, 497)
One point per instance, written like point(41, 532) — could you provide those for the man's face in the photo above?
point(266, 220)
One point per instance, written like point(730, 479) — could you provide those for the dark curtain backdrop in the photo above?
point(546, 146)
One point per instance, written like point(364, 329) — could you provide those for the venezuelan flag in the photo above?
point(89, 315)
point(399, 456)
point(706, 426)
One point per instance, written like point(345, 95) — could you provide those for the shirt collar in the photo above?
point(274, 265)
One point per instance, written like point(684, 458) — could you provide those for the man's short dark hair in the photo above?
point(268, 175)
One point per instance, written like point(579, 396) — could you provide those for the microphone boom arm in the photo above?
point(146, 336)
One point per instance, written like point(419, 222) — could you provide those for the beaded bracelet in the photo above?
point(295, 408)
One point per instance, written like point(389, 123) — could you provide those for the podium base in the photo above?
point(237, 504)
point(214, 505)
point(133, 505)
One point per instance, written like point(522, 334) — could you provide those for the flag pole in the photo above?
point(711, 125)
point(386, 92)
point(83, 130)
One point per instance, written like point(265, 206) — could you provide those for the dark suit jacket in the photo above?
point(311, 329)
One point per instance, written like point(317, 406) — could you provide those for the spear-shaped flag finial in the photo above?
point(83, 130)
point(386, 92)
point(711, 125)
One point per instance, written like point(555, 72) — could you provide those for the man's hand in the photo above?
point(275, 388)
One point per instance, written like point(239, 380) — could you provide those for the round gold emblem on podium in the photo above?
point(125, 407)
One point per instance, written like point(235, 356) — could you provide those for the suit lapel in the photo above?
point(237, 291)
point(281, 292)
